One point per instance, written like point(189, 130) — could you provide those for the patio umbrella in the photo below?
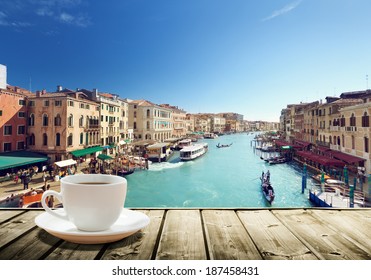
point(346, 176)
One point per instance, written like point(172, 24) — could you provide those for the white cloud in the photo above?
point(283, 11)
point(4, 21)
point(79, 20)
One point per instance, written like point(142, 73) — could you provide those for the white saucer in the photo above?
point(128, 223)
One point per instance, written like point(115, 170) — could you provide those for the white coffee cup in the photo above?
point(93, 202)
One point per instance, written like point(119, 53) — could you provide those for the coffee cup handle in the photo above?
point(47, 209)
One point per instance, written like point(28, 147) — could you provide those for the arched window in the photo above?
point(32, 140)
point(70, 120)
point(45, 139)
point(45, 120)
point(135, 125)
point(31, 120)
point(338, 140)
point(330, 139)
point(148, 113)
point(365, 120)
point(58, 120)
point(81, 138)
point(343, 140)
point(81, 121)
point(69, 140)
point(352, 120)
point(342, 121)
point(58, 139)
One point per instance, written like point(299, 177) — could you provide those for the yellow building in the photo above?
point(62, 122)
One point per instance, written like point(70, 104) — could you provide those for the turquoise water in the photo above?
point(223, 177)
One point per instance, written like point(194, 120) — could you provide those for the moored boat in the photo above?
point(194, 151)
point(266, 187)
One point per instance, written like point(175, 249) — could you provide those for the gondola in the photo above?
point(124, 173)
point(223, 146)
point(266, 187)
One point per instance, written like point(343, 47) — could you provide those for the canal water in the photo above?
point(223, 177)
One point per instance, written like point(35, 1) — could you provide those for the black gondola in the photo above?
point(223, 146)
point(267, 188)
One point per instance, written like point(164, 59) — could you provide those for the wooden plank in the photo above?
point(139, 246)
point(273, 239)
point(182, 236)
point(5, 215)
point(30, 247)
point(17, 226)
point(325, 242)
point(226, 237)
point(347, 223)
point(73, 251)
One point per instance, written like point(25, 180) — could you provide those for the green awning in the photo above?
point(20, 158)
point(104, 157)
point(87, 151)
point(286, 147)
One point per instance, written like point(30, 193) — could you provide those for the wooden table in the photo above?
point(198, 234)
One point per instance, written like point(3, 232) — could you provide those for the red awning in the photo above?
point(281, 143)
point(346, 157)
point(326, 161)
point(302, 143)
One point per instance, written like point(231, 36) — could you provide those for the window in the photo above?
point(46, 103)
point(31, 103)
point(365, 120)
point(58, 120)
point(7, 147)
point(87, 106)
point(135, 125)
point(70, 120)
point(20, 145)
point(342, 121)
point(58, 139)
point(21, 130)
point(82, 105)
point(45, 120)
point(366, 144)
point(58, 103)
point(45, 139)
point(81, 121)
point(7, 130)
point(70, 103)
point(22, 102)
point(148, 125)
point(31, 120)
point(81, 138)
point(1, 113)
point(135, 114)
point(69, 140)
point(148, 113)
point(21, 114)
point(352, 120)
point(353, 142)
point(343, 140)
point(31, 140)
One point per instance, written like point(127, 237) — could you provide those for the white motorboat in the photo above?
point(194, 151)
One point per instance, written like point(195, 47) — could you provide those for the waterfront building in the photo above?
point(110, 115)
point(62, 122)
point(202, 122)
point(126, 132)
point(178, 119)
point(150, 121)
point(190, 123)
point(217, 124)
point(13, 118)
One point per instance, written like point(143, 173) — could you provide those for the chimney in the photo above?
point(37, 93)
point(43, 91)
point(59, 88)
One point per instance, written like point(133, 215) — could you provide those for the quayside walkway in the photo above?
point(199, 234)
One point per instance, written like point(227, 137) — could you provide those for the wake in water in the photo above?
point(164, 165)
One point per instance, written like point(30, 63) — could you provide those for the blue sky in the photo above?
point(244, 56)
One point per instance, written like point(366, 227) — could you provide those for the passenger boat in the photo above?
point(184, 143)
point(194, 151)
point(266, 187)
point(210, 135)
point(277, 160)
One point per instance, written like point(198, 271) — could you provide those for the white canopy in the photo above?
point(66, 162)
